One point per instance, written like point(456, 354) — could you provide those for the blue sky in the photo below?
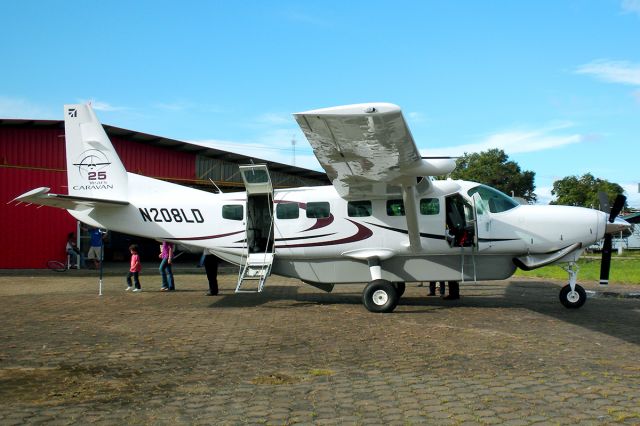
point(555, 83)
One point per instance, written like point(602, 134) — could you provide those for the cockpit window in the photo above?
point(496, 200)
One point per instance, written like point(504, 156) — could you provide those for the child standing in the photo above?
point(135, 268)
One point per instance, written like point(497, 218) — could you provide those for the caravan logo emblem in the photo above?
point(92, 165)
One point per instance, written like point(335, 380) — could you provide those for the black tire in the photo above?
point(380, 296)
point(57, 266)
point(573, 301)
point(400, 288)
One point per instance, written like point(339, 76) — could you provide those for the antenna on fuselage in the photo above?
point(214, 184)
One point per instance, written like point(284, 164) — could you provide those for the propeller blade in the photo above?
point(605, 264)
point(618, 204)
point(604, 201)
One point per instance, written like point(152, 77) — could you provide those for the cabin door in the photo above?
point(482, 223)
point(259, 228)
point(259, 220)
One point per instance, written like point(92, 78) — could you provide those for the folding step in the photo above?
point(257, 269)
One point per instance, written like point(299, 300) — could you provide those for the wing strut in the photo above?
point(411, 212)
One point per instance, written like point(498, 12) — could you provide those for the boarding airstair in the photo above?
point(259, 254)
point(257, 268)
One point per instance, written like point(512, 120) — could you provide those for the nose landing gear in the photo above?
point(572, 295)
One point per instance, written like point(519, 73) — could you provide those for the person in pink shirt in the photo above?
point(166, 256)
point(134, 270)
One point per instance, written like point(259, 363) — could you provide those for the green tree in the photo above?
point(583, 191)
point(493, 168)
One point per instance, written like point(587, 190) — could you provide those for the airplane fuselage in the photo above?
point(317, 236)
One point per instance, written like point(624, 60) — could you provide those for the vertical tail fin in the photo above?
point(94, 169)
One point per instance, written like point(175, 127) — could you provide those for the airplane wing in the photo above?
point(367, 149)
point(43, 197)
point(368, 152)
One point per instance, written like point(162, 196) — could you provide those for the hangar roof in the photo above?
point(174, 144)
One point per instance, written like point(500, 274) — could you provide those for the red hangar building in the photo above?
point(32, 155)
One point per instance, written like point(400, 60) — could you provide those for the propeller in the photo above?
point(605, 264)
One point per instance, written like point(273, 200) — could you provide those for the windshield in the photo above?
point(496, 200)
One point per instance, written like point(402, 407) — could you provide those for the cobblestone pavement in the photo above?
point(507, 353)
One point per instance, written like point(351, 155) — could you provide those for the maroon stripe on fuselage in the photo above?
point(321, 223)
point(205, 237)
point(362, 234)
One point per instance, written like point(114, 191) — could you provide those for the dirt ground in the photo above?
point(506, 353)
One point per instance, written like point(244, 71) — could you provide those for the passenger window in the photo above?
point(395, 208)
point(232, 212)
point(429, 206)
point(287, 211)
point(359, 208)
point(318, 210)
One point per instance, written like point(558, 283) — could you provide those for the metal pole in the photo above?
point(620, 245)
point(101, 261)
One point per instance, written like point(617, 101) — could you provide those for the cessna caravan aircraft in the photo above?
point(383, 222)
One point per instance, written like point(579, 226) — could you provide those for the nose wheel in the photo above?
point(572, 295)
point(573, 299)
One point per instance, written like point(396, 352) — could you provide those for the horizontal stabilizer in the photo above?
point(43, 197)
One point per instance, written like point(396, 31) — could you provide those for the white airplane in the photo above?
point(384, 221)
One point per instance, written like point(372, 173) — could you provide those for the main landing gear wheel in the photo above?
point(380, 296)
point(573, 299)
point(400, 288)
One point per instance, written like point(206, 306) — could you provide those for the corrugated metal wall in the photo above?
point(31, 236)
point(154, 161)
point(36, 148)
point(225, 172)
point(32, 157)
point(219, 171)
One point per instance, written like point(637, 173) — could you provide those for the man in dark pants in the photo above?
point(454, 291)
point(211, 267)
point(432, 288)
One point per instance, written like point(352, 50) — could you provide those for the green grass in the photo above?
point(625, 269)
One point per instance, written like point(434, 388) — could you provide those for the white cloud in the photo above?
point(102, 106)
point(265, 151)
point(515, 141)
point(622, 72)
point(544, 194)
point(173, 106)
point(633, 196)
point(275, 118)
point(22, 108)
point(631, 6)
point(416, 117)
